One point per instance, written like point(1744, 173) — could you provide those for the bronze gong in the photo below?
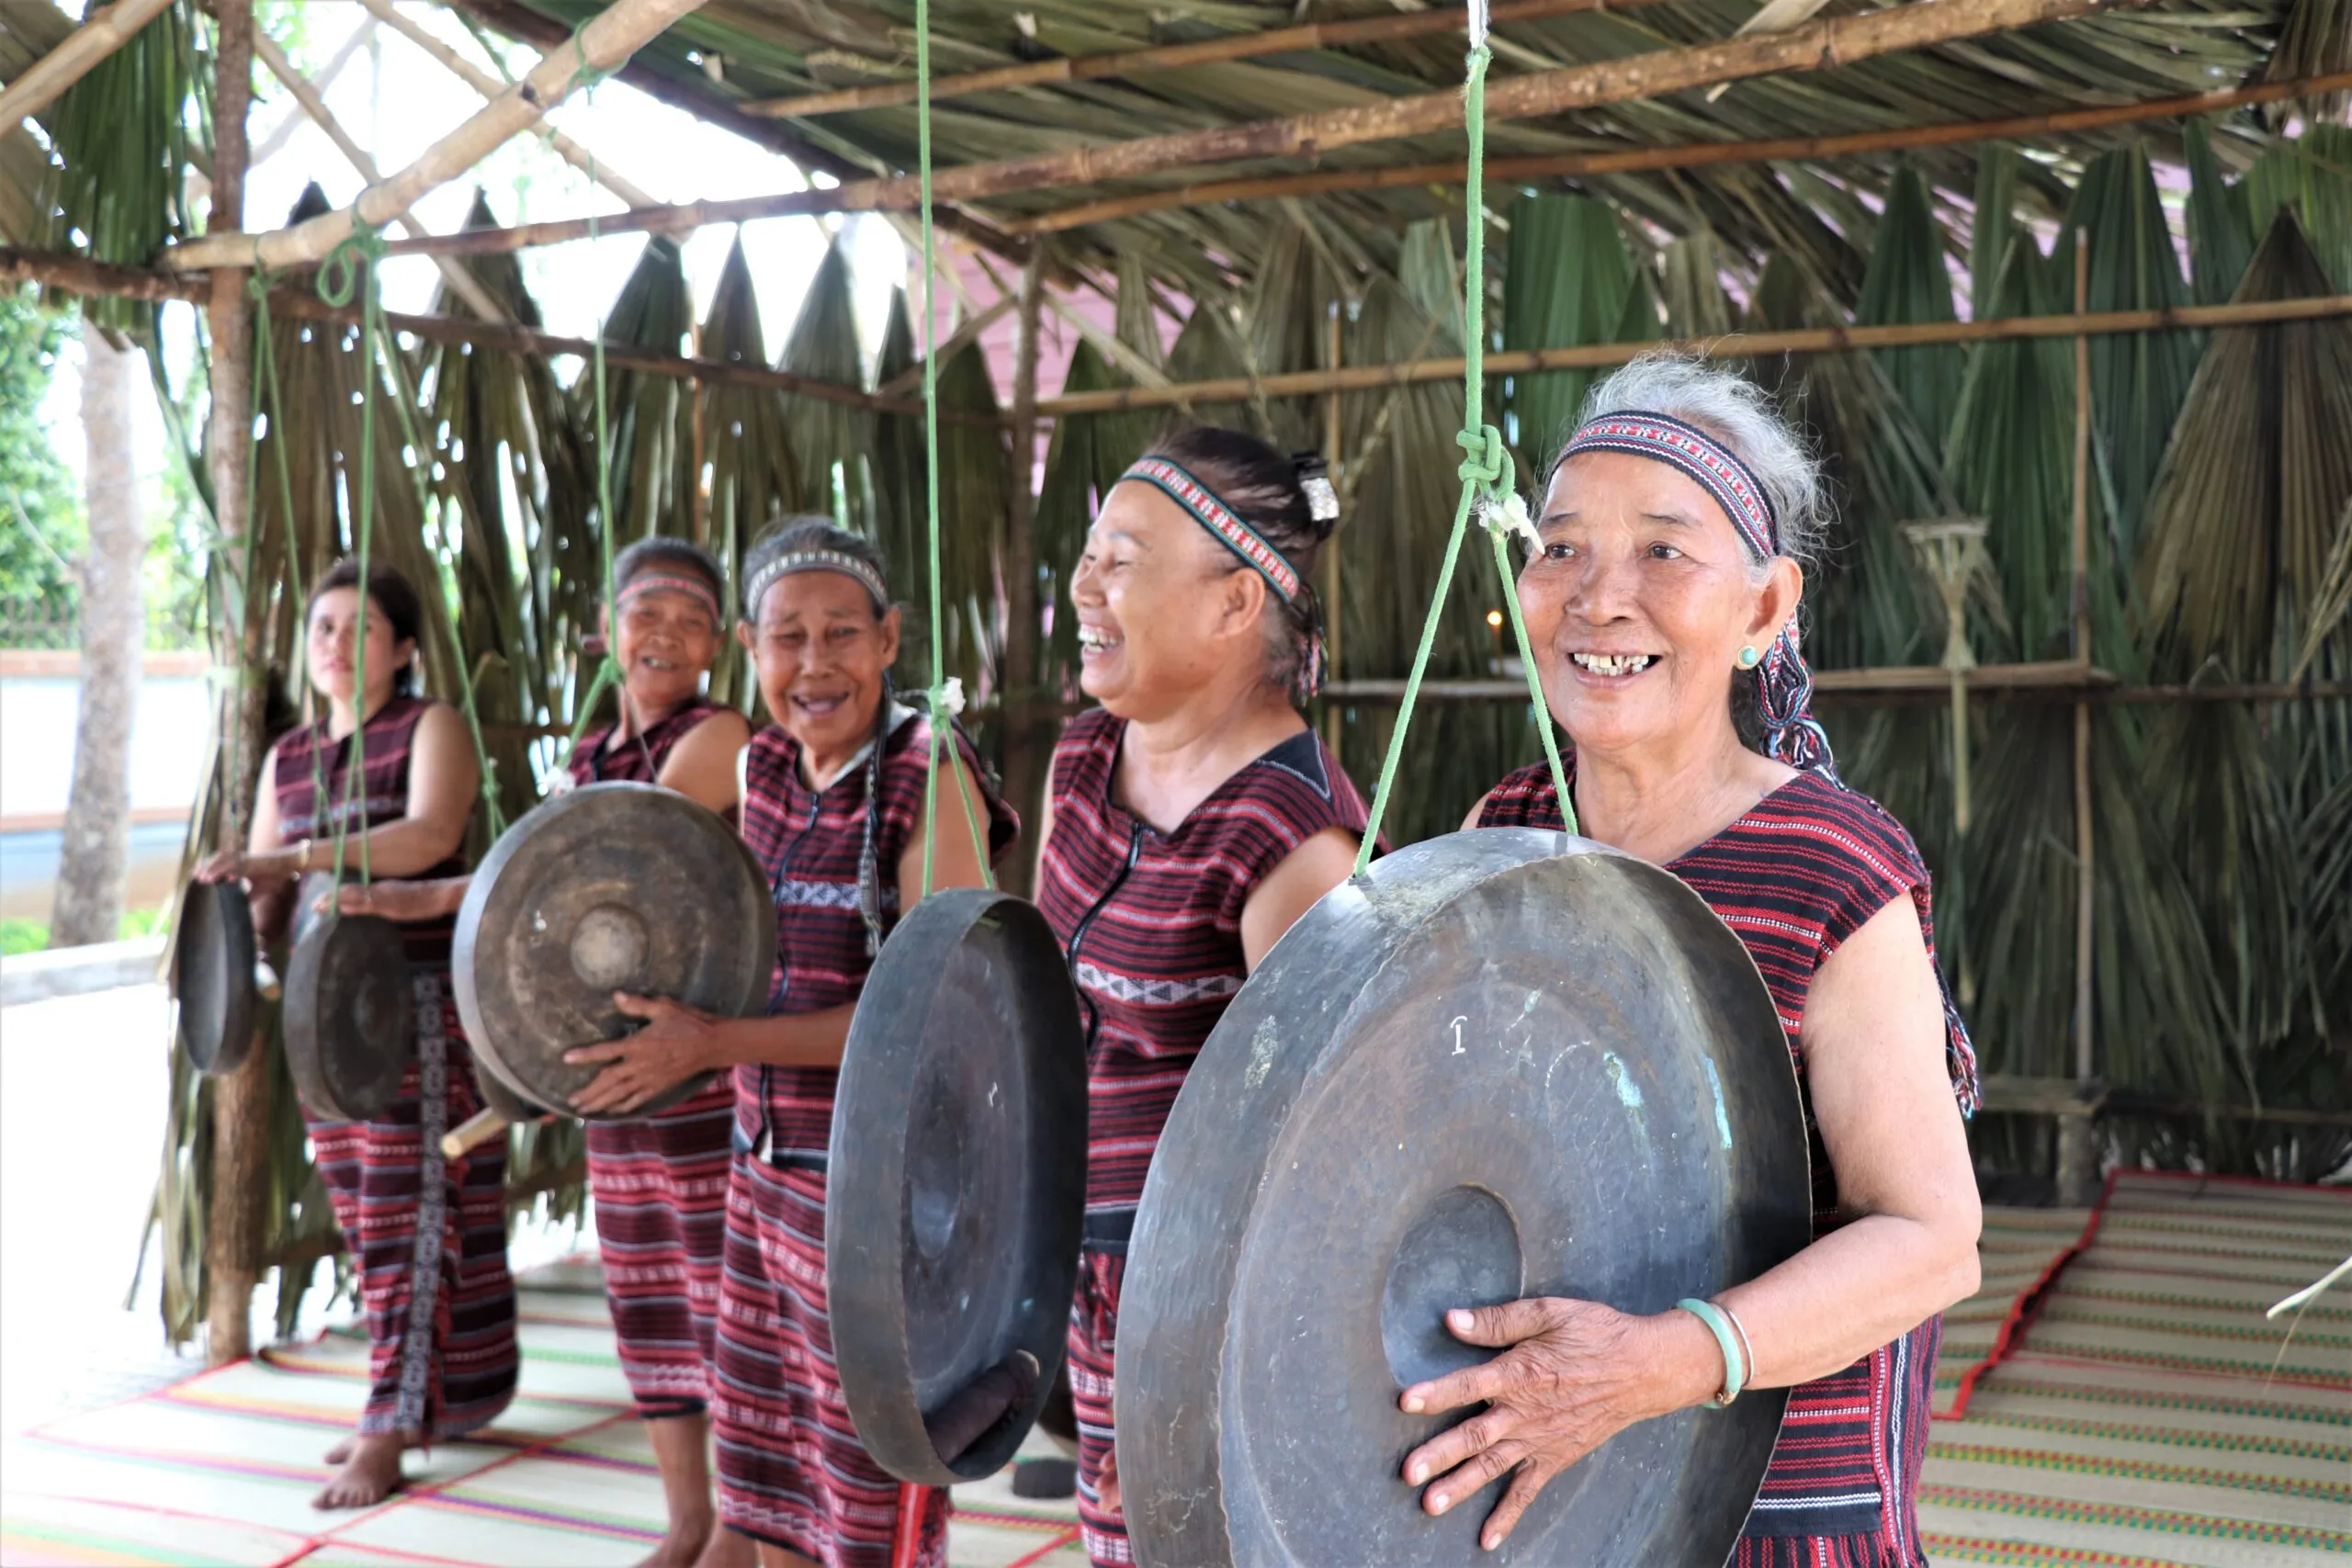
point(1503, 1064)
point(608, 887)
point(957, 1187)
point(213, 975)
point(350, 1016)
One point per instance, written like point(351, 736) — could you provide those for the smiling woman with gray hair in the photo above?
point(1661, 605)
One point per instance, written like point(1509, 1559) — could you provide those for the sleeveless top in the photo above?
point(1794, 878)
point(811, 843)
point(307, 758)
point(640, 758)
point(1151, 925)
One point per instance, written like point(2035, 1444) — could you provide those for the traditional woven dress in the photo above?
point(1151, 923)
point(1794, 878)
point(428, 1233)
point(660, 1181)
point(791, 1470)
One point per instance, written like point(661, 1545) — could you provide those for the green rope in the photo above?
point(609, 674)
point(1485, 471)
point(339, 274)
point(944, 700)
point(361, 250)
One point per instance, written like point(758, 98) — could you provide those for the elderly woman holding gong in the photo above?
point(1661, 604)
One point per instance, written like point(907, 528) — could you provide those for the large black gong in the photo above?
point(609, 887)
point(350, 1017)
point(213, 975)
point(957, 1187)
point(1505, 1064)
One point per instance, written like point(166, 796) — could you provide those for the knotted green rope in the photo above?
point(942, 698)
point(339, 274)
point(1486, 470)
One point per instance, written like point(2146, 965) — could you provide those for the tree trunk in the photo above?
point(97, 817)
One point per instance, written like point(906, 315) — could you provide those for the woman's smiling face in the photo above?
point(1160, 610)
point(666, 640)
point(1640, 600)
point(821, 653)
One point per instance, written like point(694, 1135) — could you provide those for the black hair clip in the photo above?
point(1314, 478)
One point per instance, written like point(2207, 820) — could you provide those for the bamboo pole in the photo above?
point(1913, 686)
point(1688, 156)
point(235, 1218)
point(490, 86)
point(462, 283)
point(1027, 742)
point(2077, 1151)
point(294, 118)
point(1333, 435)
point(954, 343)
point(1731, 345)
point(1816, 46)
point(106, 32)
point(608, 38)
point(1168, 57)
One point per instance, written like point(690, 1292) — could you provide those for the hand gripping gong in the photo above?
point(213, 975)
point(350, 1017)
point(1503, 1064)
point(608, 887)
point(955, 1188)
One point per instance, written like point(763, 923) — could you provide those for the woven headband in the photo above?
point(693, 588)
point(797, 561)
point(1784, 681)
point(1176, 483)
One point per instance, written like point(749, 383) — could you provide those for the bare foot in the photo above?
point(372, 1472)
point(683, 1546)
point(725, 1549)
point(342, 1450)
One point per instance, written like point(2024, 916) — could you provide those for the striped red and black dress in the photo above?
point(1794, 878)
point(791, 1470)
point(1151, 924)
point(660, 1181)
point(428, 1233)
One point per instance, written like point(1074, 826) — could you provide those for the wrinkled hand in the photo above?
point(221, 866)
point(389, 900)
point(1572, 1375)
point(676, 1042)
point(1106, 1491)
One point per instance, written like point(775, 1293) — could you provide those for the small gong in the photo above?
point(213, 975)
point(612, 887)
point(350, 1019)
point(955, 1193)
point(1503, 1064)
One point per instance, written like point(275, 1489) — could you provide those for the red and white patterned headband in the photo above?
point(1176, 483)
point(1716, 469)
point(797, 561)
point(693, 588)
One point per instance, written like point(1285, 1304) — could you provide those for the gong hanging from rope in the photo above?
point(608, 887)
point(213, 975)
point(1503, 1064)
point(350, 1015)
point(955, 1190)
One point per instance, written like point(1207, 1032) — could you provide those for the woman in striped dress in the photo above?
point(659, 1181)
point(1660, 604)
point(428, 1235)
point(1193, 817)
point(832, 802)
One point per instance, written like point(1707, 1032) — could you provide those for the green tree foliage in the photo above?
point(39, 500)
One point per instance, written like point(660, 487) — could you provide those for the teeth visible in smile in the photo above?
point(1089, 638)
point(1613, 663)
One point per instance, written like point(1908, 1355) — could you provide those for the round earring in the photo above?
point(1748, 658)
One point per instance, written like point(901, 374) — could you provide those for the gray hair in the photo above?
point(1737, 412)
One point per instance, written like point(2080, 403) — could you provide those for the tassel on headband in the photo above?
point(1784, 681)
point(795, 561)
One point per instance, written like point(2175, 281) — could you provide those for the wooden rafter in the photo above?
point(1168, 57)
point(107, 29)
point(1819, 45)
point(1688, 156)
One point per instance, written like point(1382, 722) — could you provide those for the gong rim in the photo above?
point(560, 846)
point(909, 1100)
point(213, 952)
point(349, 979)
point(1246, 1439)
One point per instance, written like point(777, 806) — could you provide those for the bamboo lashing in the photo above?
point(1819, 45)
point(1954, 555)
point(106, 30)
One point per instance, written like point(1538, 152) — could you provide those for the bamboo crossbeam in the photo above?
point(1686, 155)
point(490, 86)
point(1910, 685)
point(608, 39)
point(1816, 46)
point(106, 32)
point(1168, 57)
point(1805, 339)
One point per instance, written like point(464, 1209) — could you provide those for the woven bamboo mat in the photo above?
point(2145, 1415)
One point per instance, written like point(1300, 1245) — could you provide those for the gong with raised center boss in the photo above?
point(614, 886)
point(350, 1015)
point(213, 975)
point(1504, 1064)
point(957, 1187)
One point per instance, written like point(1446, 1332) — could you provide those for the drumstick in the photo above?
point(472, 1133)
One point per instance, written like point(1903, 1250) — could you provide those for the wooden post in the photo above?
point(106, 30)
point(1027, 745)
point(241, 1101)
point(2078, 1135)
point(1334, 435)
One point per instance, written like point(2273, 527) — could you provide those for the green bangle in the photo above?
point(1734, 1363)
